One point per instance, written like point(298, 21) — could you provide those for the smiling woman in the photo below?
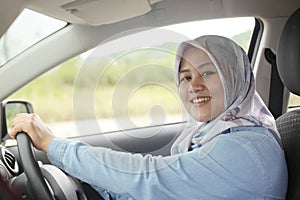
point(111, 114)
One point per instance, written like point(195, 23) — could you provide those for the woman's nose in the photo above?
point(196, 86)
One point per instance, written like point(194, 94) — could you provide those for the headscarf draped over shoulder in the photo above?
point(242, 105)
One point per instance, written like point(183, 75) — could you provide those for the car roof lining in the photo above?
point(161, 9)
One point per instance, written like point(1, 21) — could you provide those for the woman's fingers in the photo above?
point(21, 122)
point(37, 130)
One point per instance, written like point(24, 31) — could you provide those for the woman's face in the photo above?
point(200, 87)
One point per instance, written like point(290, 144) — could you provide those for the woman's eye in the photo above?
point(186, 78)
point(207, 73)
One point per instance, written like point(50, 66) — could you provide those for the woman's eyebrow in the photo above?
point(184, 70)
point(197, 67)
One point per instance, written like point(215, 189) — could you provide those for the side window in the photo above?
point(294, 101)
point(124, 83)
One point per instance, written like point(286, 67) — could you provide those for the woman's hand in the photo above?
point(37, 130)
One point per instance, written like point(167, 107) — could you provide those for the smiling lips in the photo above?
point(199, 100)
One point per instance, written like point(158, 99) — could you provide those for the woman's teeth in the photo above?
point(199, 100)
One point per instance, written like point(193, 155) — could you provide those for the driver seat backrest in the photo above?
point(288, 124)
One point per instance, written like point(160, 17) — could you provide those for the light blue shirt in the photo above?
point(244, 164)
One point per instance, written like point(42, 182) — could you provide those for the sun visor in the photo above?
point(98, 12)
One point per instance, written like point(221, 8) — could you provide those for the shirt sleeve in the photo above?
point(223, 169)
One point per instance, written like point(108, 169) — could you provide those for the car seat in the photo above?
point(288, 124)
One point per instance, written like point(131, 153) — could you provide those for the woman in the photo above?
point(230, 148)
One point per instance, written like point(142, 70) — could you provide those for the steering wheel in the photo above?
point(31, 168)
point(47, 182)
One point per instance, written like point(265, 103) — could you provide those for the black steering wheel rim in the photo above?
point(31, 168)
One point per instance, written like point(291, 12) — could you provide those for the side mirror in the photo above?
point(9, 109)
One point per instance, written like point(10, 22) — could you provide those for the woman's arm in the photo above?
point(225, 169)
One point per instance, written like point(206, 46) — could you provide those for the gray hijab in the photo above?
point(242, 105)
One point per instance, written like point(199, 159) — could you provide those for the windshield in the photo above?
point(29, 28)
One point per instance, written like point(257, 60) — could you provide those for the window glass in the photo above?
point(124, 83)
point(294, 101)
point(29, 28)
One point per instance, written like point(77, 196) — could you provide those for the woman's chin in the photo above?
point(201, 118)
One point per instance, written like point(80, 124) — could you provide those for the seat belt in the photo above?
point(276, 86)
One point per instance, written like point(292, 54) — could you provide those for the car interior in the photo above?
point(288, 123)
point(274, 53)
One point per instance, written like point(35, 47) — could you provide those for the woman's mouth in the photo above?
point(200, 100)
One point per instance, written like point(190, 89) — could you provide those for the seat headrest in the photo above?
point(288, 53)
